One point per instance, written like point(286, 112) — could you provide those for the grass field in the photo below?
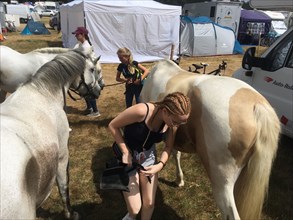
point(89, 147)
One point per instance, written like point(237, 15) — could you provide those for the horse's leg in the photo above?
point(2, 95)
point(179, 173)
point(223, 182)
point(63, 182)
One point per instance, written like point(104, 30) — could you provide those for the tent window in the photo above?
point(212, 12)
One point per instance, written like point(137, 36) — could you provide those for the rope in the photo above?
point(114, 84)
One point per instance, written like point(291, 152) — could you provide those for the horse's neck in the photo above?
point(39, 59)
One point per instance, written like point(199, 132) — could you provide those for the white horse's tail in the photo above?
point(252, 185)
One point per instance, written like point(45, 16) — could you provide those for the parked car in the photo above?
point(272, 75)
point(49, 12)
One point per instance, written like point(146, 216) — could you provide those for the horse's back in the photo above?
point(17, 68)
point(222, 107)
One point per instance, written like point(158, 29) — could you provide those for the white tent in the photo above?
point(146, 27)
point(201, 37)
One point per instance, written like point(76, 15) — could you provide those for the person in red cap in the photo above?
point(81, 34)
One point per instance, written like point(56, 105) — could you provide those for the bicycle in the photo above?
point(222, 66)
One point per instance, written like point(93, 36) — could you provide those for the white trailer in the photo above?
point(224, 13)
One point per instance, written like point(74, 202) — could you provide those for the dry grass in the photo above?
point(89, 146)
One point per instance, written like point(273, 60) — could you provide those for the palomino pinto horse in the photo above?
point(232, 127)
point(17, 68)
point(34, 136)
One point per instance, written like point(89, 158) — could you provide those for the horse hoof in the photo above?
point(71, 215)
point(180, 184)
point(75, 216)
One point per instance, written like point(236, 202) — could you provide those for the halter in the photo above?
point(82, 82)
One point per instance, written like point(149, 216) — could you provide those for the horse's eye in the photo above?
point(92, 70)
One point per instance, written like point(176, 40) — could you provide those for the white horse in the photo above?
point(232, 127)
point(17, 68)
point(34, 136)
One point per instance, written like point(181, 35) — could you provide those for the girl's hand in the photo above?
point(137, 82)
point(127, 159)
point(153, 169)
point(129, 81)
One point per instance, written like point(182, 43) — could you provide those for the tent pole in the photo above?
point(172, 52)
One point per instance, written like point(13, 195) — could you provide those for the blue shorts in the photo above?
point(145, 158)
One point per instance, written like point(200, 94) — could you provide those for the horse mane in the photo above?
point(55, 74)
point(52, 50)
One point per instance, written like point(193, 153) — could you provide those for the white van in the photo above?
point(52, 6)
point(22, 10)
point(272, 75)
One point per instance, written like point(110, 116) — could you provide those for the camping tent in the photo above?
point(253, 23)
point(146, 27)
point(200, 36)
point(35, 27)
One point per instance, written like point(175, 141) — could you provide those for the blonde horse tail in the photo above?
point(252, 185)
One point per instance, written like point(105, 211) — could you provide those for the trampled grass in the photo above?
point(89, 146)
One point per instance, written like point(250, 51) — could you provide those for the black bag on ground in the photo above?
point(114, 178)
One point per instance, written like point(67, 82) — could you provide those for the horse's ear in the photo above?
point(97, 59)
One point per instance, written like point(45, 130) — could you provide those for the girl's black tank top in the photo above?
point(135, 135)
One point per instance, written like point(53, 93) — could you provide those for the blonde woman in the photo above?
point(134, 74)
point(144, 125)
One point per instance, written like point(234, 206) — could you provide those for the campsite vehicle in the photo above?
point(52, 5)
point(22, 10)
point(224, 13)
point(272, 75)
point(49, 12)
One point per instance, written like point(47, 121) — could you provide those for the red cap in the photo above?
point(80, 30)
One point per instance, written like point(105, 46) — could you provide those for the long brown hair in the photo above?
point(176, 103)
